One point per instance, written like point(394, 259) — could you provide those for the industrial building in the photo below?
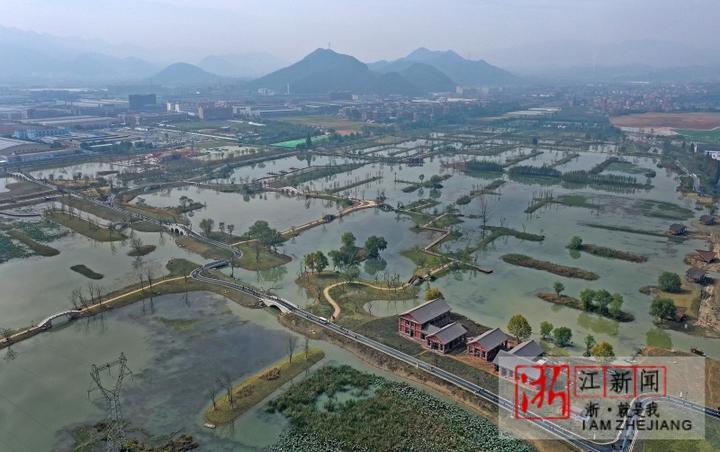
point(9, 146)
point(75, 122)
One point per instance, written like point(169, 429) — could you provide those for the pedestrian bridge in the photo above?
point(70, 314)
point(274, 302)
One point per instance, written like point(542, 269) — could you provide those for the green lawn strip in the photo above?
point(565, 200)
point(498, 231)
point(423, 261)
point(663, 209)
point(574, 303)
point(146, 226)
point(447, 220)
point(84, 227)
point(612, 253)
point(630, 230)
point(259, 386)
point(551, 267)
point(86, 271)
point(95, 209)
point(37, 247)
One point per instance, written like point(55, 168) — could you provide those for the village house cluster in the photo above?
point(431, 325)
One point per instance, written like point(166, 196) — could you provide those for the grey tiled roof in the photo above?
point(490, 339)
point(428, 310)
point(507, 360)
point(449, 333)
point(430, 329)
point(528, 349)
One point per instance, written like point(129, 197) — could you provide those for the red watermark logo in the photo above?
point(543, 391)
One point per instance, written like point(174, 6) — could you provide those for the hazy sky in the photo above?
point(368, 29)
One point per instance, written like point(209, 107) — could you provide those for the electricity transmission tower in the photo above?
point(111, 394)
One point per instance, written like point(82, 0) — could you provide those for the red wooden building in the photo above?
point(488, 344)
point(446, 338)
point(415, 322)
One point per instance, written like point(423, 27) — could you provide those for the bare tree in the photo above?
point(225, 382)
point(137, 244)
point(212, 393)
point(292, 342)
point(7, 334)
point(307, 347)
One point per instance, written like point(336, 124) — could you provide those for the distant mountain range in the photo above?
point(472, 73)
point(184, 74)
point(247, 65)
point(32, 58)
point(324, 70)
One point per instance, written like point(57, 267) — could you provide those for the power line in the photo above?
point(111, 394)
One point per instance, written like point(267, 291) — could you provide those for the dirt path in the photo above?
point(336, 306)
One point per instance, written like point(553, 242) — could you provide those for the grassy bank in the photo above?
point(202, 248)
point(37, 247)
point(86, 271)
point(350, 297)
point(551, 267)
point(95, 209)
point(84, 227)
point(260, 258)
point(10, 250)
point(612, 253)
point(255, 389)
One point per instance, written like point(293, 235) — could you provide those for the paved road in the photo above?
point(624, 441)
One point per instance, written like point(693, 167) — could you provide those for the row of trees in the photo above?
point(519, 327)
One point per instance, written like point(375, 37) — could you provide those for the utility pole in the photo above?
point(115, 421)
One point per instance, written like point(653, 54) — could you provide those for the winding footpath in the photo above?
point(624, 441)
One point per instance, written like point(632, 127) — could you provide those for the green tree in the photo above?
point(670, 282)
point(337, 259)
point(374, 244)
point(603, 350)
point(347, 240)
point(589, 344)
point(615, 306)
point(602, 300)
point(562, 336)
point(310, 261)
point(207, 224)
point(321, 262)
point(546, 329)
point(351, 273)
point(586, 298)
point(519, 327)
point(575, 243)
point(558, 287)
point(432, 293)
point(263, 233)
point(663, 308)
